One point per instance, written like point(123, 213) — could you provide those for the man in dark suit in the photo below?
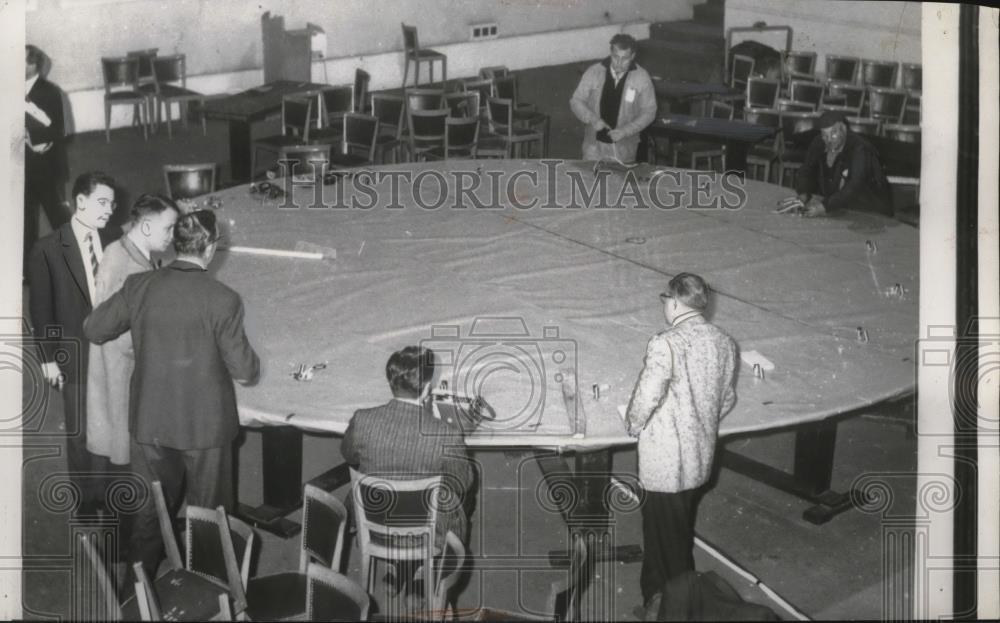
point(190, 345)
point(61, 270)
point(405, 440)
point(44, 152)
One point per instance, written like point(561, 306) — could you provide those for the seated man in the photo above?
point(403, 440)
point(841, 171)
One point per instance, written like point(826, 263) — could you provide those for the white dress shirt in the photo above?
point(32, 109)
point(80, 232)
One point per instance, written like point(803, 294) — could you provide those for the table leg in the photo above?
point(811, 475)
point(239, 150)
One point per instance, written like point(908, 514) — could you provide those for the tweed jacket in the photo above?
point(685, 388)
point(638, 106)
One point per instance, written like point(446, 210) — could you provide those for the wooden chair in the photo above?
point(742, 69)
point(887, 105)
point(501, 120)
point(426, 131)
point(876, 73)
point(187, 181)
point(358, 146)
point(337, 102)
point(762, 92)
point(485, 89)
point(792, 157)
point(148, 602)
point(707, 150)
point(284, 595)
point(852, 95)
point(798, 66)
point(170, 74)
point(462, 104)
point(525, 115)
point(424, 99)
point(448, 572)
point(493, 72)
point(300, 114)
point(331, 596)
point(806, 92)
point(762, 156)
point(842, 68)
point(863, 126)
point(362, 80)
point(306, 164)
point(121, 77)
point(396, 521)
point(145, 81)
point(390, 110)
point(414, 54)
point(912, 77)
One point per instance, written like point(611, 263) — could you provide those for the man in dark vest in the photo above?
point(616, 101)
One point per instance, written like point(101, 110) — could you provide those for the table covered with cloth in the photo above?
point(539, 298)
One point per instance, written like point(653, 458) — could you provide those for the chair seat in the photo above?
point(124, 95)
point(171, 91)
point(426, 54)
point(183, 596)
point(278, 596)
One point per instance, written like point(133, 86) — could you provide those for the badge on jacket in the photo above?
point(630, 95)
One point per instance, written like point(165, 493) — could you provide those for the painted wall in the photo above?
point(222, 36)
point(876, 30)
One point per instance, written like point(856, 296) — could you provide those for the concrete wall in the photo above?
point(222, 38)
point(877, 30)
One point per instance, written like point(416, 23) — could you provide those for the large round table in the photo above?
point(519, 301)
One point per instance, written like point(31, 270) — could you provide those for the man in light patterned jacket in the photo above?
point(685, 388)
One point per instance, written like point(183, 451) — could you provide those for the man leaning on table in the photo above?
point(190, 345)
point(616, 101)
point(685, 388)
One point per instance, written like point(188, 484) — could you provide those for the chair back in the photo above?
point(410, 42)
point(902, 132)
point(461, 136)
point(462, 104)
point(863, 126)
point(397, 512)
point(793, 123)
point(720, 110)
point(298, 114)
point(101, 602)
point(324, 520)
point(806, 92)
point(506, 87)
point(244, 539)
point(798, 65)
point(390, 110)
point(331, 596)
point(210, 550)
point(362, 79)
point(424, 99)
point(879, 73)
point(742, 69)
point(120, 72)
point(186, 181)
point(913, 77)
point(448, 571)
point(493, 72)
point(307, 162)
point(483, 87)
point(336, 101)
point(147, 74)
point(762, 92)
point(426, 129)
point(360, 134)
point(842, 68)
point(767, 117)
point(887, 104)
point(171, 69)
point(854, 96)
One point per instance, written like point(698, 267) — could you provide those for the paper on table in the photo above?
point(752, 357)
point(276, 253)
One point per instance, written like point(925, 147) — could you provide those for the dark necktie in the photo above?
point(93, 255)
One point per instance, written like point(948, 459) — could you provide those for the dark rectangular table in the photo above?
point(243, 109)
point(737, 136)
point(680, 90)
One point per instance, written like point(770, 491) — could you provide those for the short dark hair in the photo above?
point(624, 42)
point(194, 231)
point(689, 289)
point(147, 205)
point(86, 183)
point(34, 56)
point(409, 370)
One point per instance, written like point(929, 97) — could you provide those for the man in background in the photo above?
point(44, 152)
point(616, 101)
point(190, 345)
point(685, 388)
point(62, 276)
